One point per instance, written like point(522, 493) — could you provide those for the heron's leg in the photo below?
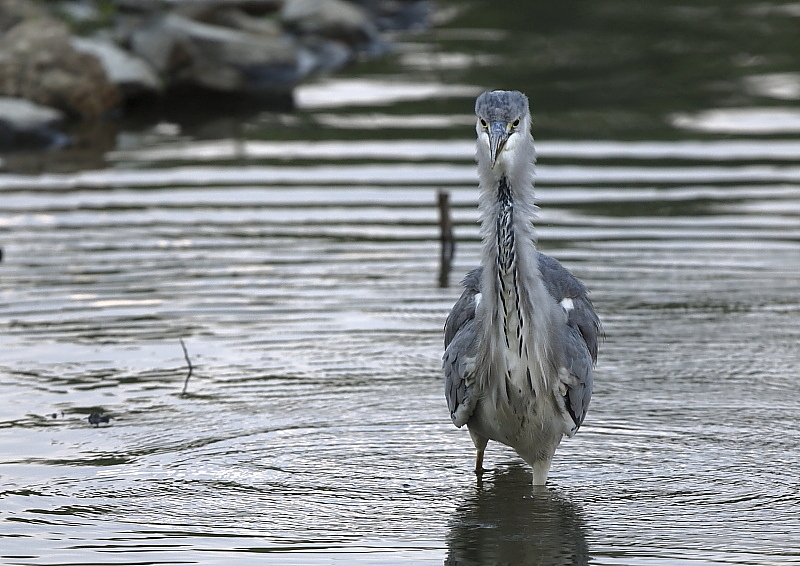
point(541, 468)
point(479, 461)
point(480, 446)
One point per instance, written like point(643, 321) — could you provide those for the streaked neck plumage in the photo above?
point(515, 309)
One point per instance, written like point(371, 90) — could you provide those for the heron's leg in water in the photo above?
point(480, 445)
point(540, 471)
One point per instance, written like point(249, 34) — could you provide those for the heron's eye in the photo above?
point(515, 123)
point(483, 123)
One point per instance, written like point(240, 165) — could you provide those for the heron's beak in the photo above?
point(498, 136)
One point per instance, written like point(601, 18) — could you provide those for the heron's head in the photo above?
point(504, 120)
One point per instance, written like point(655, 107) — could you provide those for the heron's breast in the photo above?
point(514, 343)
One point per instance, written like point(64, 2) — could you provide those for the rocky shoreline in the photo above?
point(87, 60)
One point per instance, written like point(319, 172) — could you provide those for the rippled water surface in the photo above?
point(298, 260)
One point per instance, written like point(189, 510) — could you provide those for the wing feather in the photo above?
point(562, 284)
point(580, 335)
point(460, 339)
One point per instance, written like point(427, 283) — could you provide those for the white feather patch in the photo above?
point(567, 305)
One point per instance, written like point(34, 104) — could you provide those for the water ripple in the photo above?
point(314, 424)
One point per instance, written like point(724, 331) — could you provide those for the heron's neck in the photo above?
point(507, 214)
point(510, 267)
point(505, 236)
point(515, 300)
point(511, 279)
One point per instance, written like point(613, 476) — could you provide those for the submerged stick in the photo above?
point(448, 244)
point(188, 363)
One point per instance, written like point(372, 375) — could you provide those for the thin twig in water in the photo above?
point(188, 363)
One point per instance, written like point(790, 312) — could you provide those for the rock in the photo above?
point(335, 19)
point(25, 115)
point(182, 55)
point(156, 44)
point(251, 6)
point(216, 57)
point(79, 11)
point(321, 55)
point(13, 12)
point(132, 75)
point(404, 15)
point(38, 62)
point(241, 20)
point(24, 124)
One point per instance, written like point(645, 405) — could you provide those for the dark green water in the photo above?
point(297, 257)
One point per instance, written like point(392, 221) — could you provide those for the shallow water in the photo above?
point(302, 276)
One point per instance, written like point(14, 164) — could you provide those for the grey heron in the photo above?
point(521, 341)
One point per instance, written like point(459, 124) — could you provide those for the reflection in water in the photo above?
point(508, 521)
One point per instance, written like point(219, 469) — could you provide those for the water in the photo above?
point(297, 257)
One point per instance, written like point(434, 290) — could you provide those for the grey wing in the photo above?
point(562, 284)
point(578, 364)
point(460, 341)
point(580, 335)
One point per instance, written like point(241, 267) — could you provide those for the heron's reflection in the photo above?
point(508, 521)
